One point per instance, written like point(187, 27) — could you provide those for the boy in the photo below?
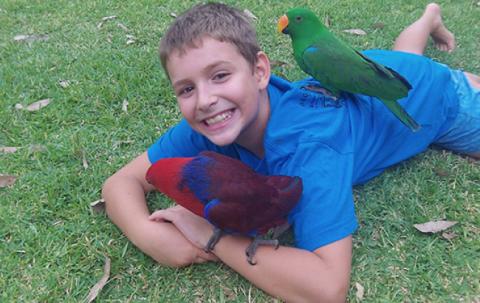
point(231, 104)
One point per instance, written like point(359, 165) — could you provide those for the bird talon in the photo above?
point(276, 245)
point(217, 233)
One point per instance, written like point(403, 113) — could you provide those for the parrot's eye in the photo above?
point(298, 18)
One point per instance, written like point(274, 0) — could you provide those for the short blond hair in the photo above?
point(216, 20)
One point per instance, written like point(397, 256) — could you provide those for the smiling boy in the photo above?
point(232, 104)
point(222, 96)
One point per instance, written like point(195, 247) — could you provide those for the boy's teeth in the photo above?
point(219, 118)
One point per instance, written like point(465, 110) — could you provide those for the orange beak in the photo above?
point(282, 23)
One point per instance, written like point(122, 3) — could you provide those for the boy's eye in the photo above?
point(185, 91)
point(220, 76)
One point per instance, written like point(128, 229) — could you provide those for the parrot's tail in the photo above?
point(403, 116)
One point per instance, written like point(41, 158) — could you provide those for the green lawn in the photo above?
point(52, 246)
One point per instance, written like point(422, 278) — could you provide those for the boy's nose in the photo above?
point(206, 102)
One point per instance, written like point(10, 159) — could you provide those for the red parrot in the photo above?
point(229, 194)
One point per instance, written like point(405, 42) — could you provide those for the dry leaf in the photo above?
point(64, 83)
point(249, 14)
point(125, 105)
point(122, 26)
point(474, 229)
point(95, 290)
point(7, 180)
point(108, 18)
point(378, 25)
point(440, 172)
point(98, 206)
point(37, 148)
point(449, 235)
point(116, 144)
point(360, 291)
point(84, 160)
point(277, 63)
point(104, 19)
point(30, 38)
point(434, 226)
point(34, 106)
point(327, 21)
point(130, 39)
point(355, 31)
point(7, 149)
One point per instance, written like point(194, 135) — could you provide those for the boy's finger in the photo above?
point(161, 215)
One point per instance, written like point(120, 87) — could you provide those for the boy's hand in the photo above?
point(196, 229)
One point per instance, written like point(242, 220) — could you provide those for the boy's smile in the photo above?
point(220, 94)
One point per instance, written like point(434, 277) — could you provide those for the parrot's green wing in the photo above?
point(340, 68)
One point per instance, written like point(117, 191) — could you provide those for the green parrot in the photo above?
point(339, 67)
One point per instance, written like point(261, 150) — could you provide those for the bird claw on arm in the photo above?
point(275, 232)
point(217, 234)
point(252, 248)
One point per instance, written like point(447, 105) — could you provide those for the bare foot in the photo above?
point(473, 79)
point(444, 40)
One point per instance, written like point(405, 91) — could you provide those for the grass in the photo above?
point(52, 246)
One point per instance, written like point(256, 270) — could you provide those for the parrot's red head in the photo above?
point(166, 176)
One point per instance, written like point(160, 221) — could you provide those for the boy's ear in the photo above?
point(262, 69)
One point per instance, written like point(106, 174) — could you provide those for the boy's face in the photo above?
point(219, 93)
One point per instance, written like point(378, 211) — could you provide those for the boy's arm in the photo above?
point(124, 194)
point(292, 274)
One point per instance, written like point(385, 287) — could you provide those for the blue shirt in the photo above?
point(334, 144)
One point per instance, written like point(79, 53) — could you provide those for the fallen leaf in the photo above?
point(34, 106)
point(449, 235)
point(378, 25)
point(440, 172)
point(434, 226)
point(64, 83)
point(122, 26)
point(116, 144)
point(109, 18)
point(130, 39)
point(360, 291)
point(125, 105)
point(98, 206)
point(474, 229)
point(59, 222)
point(7, 180)
point(37, 148)
point(30, 38)
point(277, 63)
point(95, 290)
point(355, 31)
point(229, 294)
point(84, 160)
point(104, 19)
point(8, 149)
point(249, 14)
point(327, 21)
